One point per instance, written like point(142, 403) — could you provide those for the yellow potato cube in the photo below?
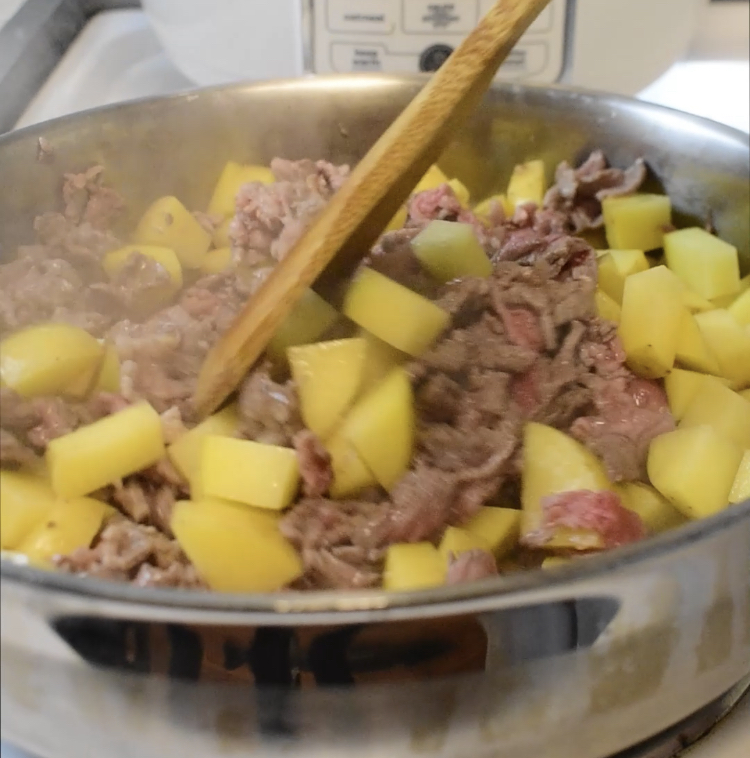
point(694, 468)
point(168, 223)
point(25, 501)
point(381, 358)
point(681, 387)
point(456, 541)
point(527, 184)
point(740, 308)
point(69, 525)
point(217, 260)
point(221, 238)
point(484, 209)
point(109, 375)
point(233, 177)
point(265, 476)
point(729, 343)
point(381, 427)
point(741, 487)
point(450, 251)
point(434, 178)
point(111, 448)
point(46, 359)
point(554, 561)
point(350, 475)
point(410, 323)
point(615, 266)
point(652, 313)
point(115, 261)
point(656, 512)
point(606, 307)
point(693, 351)
point(553, 462)
point(261, 517)
point(717, 406)
point(82, 385)
point(185, 452)
point(415, 566)
point(695, 303)
point(706, 264)
point(461, 191)
point(231, 550)
point(500, 527)
point(636, 222)
point(328, 376)
point(310, 318)
point(745, 394)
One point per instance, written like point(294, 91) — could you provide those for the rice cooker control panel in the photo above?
point(407, 36)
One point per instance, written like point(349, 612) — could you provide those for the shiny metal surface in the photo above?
point(580, 662)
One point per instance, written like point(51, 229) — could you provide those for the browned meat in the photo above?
point(13, 453)
point(471, 566)
point(89, 201)
point(126, 551)
point(577, 193)
point(394, 257)
point(314, 464)
point(146, 500)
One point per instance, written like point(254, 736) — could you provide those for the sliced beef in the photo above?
point(314, 464)
point(88, 200)
point(147, 500)
point(471, 566)
point(578, 193)
point(13, 452)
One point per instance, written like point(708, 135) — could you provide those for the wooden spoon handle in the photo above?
point(377, 187)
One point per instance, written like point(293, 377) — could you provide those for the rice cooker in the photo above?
point(615, 45)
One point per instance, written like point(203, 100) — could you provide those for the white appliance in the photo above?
point(617, 45)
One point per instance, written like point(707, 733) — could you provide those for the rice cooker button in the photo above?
point(363, 17)
point(346, 58)
point(543, 22)
point(429, 17)
point(434, 57)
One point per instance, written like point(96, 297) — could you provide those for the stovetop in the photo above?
point(117, 57)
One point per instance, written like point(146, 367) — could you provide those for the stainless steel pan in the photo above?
point(580, 662)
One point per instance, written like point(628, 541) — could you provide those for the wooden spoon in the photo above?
point(377, 187)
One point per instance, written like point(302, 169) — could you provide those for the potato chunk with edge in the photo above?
point(457, 540)
point(741, 487)
point(311, 317)
point(410, 323)
point(717, 406)
point(656, 512)
point(527, 184)
point(414, 566)
point(500, 527)
point(25, 501)
point(450, 250)
point(615, 266)
point(636, 222)
point(693, 351)
point(681, 386)
point(232, 178)
point(111, 448)
point(729, 343)
point(231, 550)
point(694, 469)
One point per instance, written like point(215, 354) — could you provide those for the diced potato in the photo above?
point(168, 223)
point(25, 501)
point(350, 475)
point(581, 540)
point(707, 265)
point(265, 476)
point(415, 566)
point(109, 375)
point(693, 351)
point(456, 541)
point(185, 452)
point(450, 250)
point(681, 387)
point(740, 308)
point(410, 322)
point(652, 313)
point(461, 191)
point(554, 561)
point(499, 527)
point(656, 512)
point(399, 220)
point(553, 462)
point(231, 550)
point(527, 184)
point(262, 517)
point(745, 394)
point(69, 525)
point(233, 177)
point(381, 427)
point(741, 487)
point(695, 303)
point(434, 178)
point(328, 376)
point(381, 358)
point(111, 448)
point(729, 342)
point(160, 294)
point(82, 385)
point(615, 266)
point(217, 260)
point(45, 359)
point(221, 237)
point(717, 406)
point(636, 222)
point(484, 209)
point(310, 318)
point(606, 307)
point(694, 468)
